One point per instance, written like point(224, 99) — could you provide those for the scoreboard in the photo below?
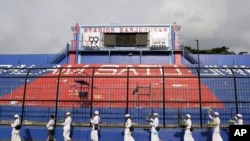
point(151, 37)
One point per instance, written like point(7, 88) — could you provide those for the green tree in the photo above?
point(217, 50)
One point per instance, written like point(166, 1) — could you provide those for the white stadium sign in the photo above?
point(91, 39)
point(159, 39)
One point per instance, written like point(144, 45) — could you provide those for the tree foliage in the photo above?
point(243, 52)
point(217, 50)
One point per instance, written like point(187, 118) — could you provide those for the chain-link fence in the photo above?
point(172, 92)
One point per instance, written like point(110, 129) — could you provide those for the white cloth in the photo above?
point(94, 133)
point(188, 134)
point(95, 120)
point(154, 122)
point(216, 130)
point(238, 121)
point(15, 135)
point(66, 128)
point(154, 133)
point(127, 132)
point(66, 135)
point(50, 125)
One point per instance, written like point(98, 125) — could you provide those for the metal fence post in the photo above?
point(200, 99)
point(127, 90)
point(92, 89)
point(164, 99)
point(235, 92)
point(24, 94)
point(199, 80)
point(57, 93)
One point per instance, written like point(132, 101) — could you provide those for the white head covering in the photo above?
point(97, 112)
point(216, 113)
point(68, 113)
point(127, 115)
point(239, 115)
point(188, 116)
point(16, 116)
point(155, 114)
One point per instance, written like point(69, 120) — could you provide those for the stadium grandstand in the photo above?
point(120, 69)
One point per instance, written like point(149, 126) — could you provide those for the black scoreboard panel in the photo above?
point(109, 40)
point(125, 39)
point(142, 39)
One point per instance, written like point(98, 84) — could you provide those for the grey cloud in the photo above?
point(44, 26)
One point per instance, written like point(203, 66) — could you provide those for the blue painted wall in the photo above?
point(26, 59)
point(222, 59)
point(123, 58)
point(38, 133)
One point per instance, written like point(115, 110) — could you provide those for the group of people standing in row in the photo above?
point(154, 122)
point(16, 126)
point(95, 121)
point(216, 129)
point(66, 128)
point(216, 126)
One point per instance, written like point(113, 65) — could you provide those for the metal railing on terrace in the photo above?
point(172, 92)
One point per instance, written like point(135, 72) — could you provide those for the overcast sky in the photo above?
point(43, 26)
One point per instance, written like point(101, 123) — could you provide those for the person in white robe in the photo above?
point(15, 135)
point(154, 122)
point(67, 127)
point(127, 132)
point(238, 119)
point(216, 129)
point(95, 121)
point(188, 134)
